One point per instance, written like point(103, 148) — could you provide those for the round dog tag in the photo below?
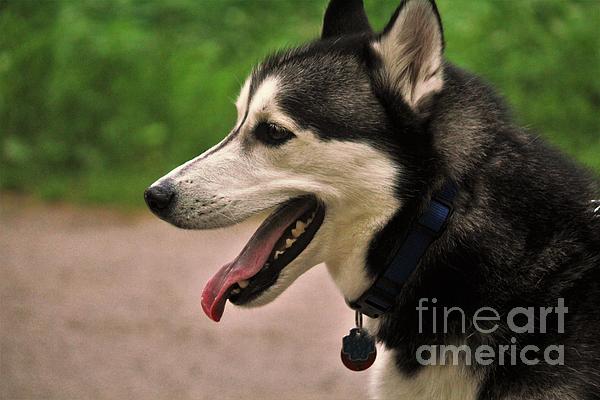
point(358, 350)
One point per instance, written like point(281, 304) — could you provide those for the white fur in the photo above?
point(440, 382)
point(241, 104)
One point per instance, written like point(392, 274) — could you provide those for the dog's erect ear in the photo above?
point(411, 48)
point(345, 17)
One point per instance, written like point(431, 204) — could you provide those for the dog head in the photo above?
point(325, 141)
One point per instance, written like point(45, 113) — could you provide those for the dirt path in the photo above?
point(98, 305)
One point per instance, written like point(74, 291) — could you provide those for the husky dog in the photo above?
point(345, 141)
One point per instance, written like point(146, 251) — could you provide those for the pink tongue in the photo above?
point(252, 258)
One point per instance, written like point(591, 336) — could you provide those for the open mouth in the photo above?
point(275, 244)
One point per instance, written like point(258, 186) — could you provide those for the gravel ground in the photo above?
point(97, 304)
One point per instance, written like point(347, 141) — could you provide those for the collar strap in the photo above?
point(381, 296)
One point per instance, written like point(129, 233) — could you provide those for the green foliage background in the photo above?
point(100, 97)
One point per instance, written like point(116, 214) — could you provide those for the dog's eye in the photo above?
point(272, 134)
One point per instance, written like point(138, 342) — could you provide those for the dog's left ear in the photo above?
point(345, 17)
point(411, 50)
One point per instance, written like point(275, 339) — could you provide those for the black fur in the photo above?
point(344, 17)
point(522, 233)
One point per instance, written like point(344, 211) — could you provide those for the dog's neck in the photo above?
point(424, 230)
point(346, 258)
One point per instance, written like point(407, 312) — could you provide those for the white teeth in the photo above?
point(243, 284)
point(296, 232)
point(299, 230)
point(236, 291)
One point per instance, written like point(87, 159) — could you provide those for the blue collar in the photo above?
point(381, 296)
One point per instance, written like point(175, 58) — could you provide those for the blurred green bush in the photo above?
point(99, 98)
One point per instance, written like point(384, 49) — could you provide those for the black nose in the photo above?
point(159, 198)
